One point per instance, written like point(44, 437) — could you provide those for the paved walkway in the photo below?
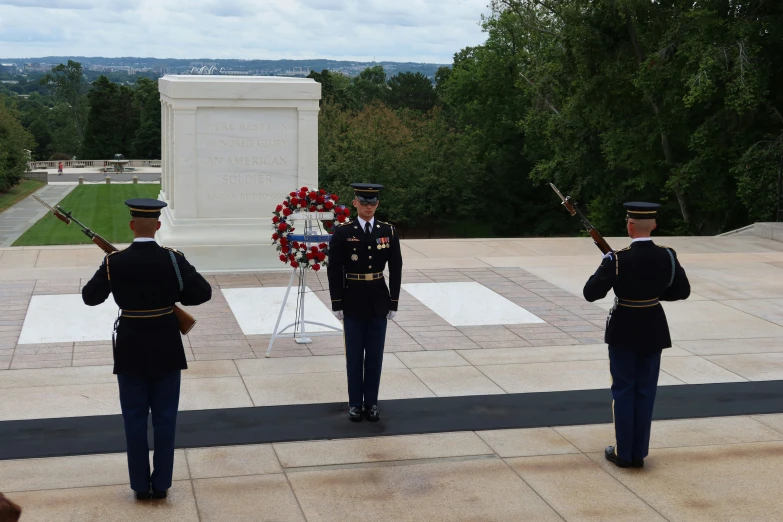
point(24, 214)
point(714, 469)
point(730, 331)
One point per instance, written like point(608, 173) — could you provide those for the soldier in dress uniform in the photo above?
point(146, 281)
point(641, 275)
point(358, 253)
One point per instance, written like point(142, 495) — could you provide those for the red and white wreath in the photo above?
point(305, 200)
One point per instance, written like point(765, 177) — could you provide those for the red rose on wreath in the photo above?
point(316, 267)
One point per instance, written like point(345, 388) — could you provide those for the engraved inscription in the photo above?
point(247, 196)
point(246, 159)
point(237, 143)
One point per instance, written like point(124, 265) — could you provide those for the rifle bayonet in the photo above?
point(59, 215)
point(573, 209)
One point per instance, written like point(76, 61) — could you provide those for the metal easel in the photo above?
point(313, 235)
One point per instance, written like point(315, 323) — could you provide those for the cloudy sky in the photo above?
point(397, 30)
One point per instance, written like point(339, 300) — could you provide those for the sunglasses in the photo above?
point(367, 203)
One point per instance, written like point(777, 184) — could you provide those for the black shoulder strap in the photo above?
point(671, 256)
point(176, 269)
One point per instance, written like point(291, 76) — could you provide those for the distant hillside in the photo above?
point(227, 66)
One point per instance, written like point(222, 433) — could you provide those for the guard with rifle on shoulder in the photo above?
point(641, 275)
point(146, 281)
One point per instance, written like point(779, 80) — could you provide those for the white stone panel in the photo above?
point(469, 304)
point(246, 160)
point(65, 319)
point(256, 309)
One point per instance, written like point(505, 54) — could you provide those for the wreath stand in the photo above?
point(311, 236)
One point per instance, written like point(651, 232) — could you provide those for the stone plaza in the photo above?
point(481, 421)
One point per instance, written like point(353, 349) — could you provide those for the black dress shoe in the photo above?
point(637, 463)
point(142, 495)
point(612, 457)
point(159, 495)
point(355, 414)
point(372, 414)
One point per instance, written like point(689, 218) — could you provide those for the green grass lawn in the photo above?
point(100, 207)
point(19, 192)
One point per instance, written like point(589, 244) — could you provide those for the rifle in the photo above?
point(573, 209)
point(185, 320)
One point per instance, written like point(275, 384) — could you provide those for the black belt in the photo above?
point(364, 277)
point(645, 303)
point(147, 314)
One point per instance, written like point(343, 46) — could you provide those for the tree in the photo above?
point(335, 88)
point(105, 131)
point(370, 85)
point(655, 100)
point(14, 139)
point(66, 81)
point(411, 91)
point(146, 143)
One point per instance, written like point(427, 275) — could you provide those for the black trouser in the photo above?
point(634, 385)
point(364, 341)
point(139, 396)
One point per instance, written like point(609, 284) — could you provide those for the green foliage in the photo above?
point(423, 163)
point(14, 139)
point(70, 118)
point(336, 88)
point(412, 91)
point(123, 120)
point(67, 83)
point(100, 207)
point(661, 101)
point(370, 85)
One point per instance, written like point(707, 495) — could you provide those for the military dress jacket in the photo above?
point(142, 278)
point(640, 275)
point(355, 269)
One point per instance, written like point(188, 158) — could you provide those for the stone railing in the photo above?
point(74, 164)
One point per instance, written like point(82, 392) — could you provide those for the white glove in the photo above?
point(608, 255)
point(339, 314)
point(391, 315)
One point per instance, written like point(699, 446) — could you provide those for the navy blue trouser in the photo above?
point(634, 384)
point(139, 396)
point(364, 341)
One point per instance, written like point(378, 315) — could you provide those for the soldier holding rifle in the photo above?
point(642, 275)
point(146, 280)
